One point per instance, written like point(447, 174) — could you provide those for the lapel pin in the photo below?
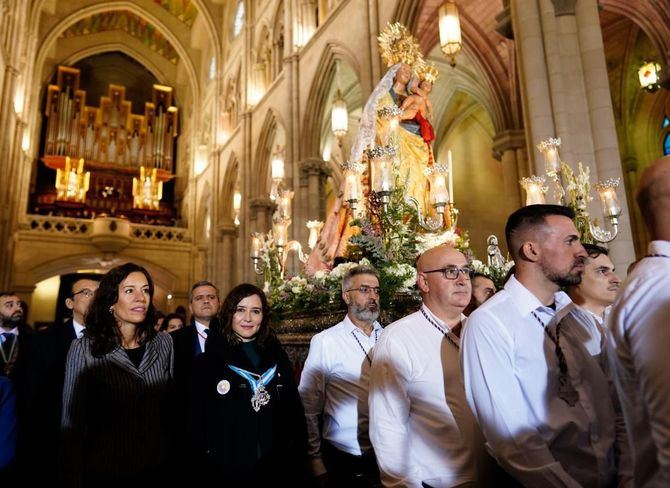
point(223, 387)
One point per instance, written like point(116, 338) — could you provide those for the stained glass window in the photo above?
point(666, 122)
point(666, 144)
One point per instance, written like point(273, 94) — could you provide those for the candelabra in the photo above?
point(276, 246)
point(577, 196)
point(72, 182)
point(147, 190)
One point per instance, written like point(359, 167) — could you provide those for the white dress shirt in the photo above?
point(640, 358)
point(420, 424)
point(511, 382)
point(334, 384)
point(202, 334)
point(78, 329)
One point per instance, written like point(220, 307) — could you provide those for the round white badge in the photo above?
point(223, 387)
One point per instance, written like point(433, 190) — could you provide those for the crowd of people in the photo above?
point(556, 380)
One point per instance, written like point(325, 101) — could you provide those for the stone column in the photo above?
point(229, 264)
point(315, 171)
point(261, 214)
point(565, 93)
point(506, 148)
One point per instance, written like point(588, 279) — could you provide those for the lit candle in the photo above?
point(280, 233)
point(608, 197)
point(277, 167)
point(285, 204)
point(314, 227)
point(255, 246)
point(352, 189)
point(549, 149)
point(237, 200)
point(438, 189)
point(451, 177)
point(386, 175)
point(535, 190)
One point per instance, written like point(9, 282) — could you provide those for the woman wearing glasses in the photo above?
point(116, 386)
point(246, 419)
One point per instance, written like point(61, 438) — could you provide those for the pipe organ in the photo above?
point(116, 144)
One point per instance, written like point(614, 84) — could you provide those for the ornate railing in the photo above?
point(69, 226)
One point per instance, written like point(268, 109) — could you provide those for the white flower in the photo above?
point(319, 275)
point(296, 289)
point(429, 241)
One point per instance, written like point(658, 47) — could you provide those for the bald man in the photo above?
point(421, 428)
point(640, 335)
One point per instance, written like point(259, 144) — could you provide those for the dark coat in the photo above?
point(230, 435)
point(114, 423)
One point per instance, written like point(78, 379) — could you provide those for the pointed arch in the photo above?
point(317, 98)
point(272, 125)
point(228, 187)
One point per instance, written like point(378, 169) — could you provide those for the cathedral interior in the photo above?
point(152, 130)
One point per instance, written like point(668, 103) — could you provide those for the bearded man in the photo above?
point(334, 386)
point(541, 397)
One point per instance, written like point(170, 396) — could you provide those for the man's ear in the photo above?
point(530, 251)
point(422, 283)
point(69, 303)
point(346, 297)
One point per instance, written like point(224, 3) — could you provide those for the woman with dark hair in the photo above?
point(172, 322)
point(116, 387)
point(246, 418)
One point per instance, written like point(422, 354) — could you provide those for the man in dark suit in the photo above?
point(189, 342)
point(44, 381)
point(15, 339)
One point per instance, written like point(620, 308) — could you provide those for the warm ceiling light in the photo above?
point(650, 75)
point(450, 31)
point(339, 117)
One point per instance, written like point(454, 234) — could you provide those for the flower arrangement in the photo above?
point(497, 274)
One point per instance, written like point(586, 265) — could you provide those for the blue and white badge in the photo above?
point(260, 396)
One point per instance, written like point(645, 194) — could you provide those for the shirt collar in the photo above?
point(526, 301)
point(14, 331)
point(659, 247)
point(439, 320)
point(78, 328)
point(351, 327)
point(201, 328)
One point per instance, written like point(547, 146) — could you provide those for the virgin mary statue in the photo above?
point(384, 123)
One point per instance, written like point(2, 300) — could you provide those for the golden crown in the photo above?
point(397, 45)
point(428, 72)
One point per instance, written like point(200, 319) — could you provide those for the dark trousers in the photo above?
point(347, 470)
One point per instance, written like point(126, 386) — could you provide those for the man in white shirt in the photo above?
point(597, 290)
point(334, 385)
point(420, 425)
point(540, 397)
point(640, 334)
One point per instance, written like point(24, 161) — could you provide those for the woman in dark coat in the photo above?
point(117, 379)
point(246, 418)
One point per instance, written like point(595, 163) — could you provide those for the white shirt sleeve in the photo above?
point(389, 412)
point(312, 391)
point(499, 405)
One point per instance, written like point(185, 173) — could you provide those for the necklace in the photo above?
point(8, 359)
point(260, 395)
point(447, 333)
point(367, 356)
point(566, 391)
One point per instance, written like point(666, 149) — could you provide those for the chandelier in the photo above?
point(72, 182)
point(574, 191)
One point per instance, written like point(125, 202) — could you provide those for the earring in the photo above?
point(111, 310)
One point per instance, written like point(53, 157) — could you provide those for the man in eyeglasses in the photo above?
point(541, 398)
point(421, 428)
point(44, 382)
point(334, 386)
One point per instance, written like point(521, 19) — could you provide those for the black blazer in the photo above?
point(229, 434)
point(114, 423)
point(184, 341)
point(19, 370)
